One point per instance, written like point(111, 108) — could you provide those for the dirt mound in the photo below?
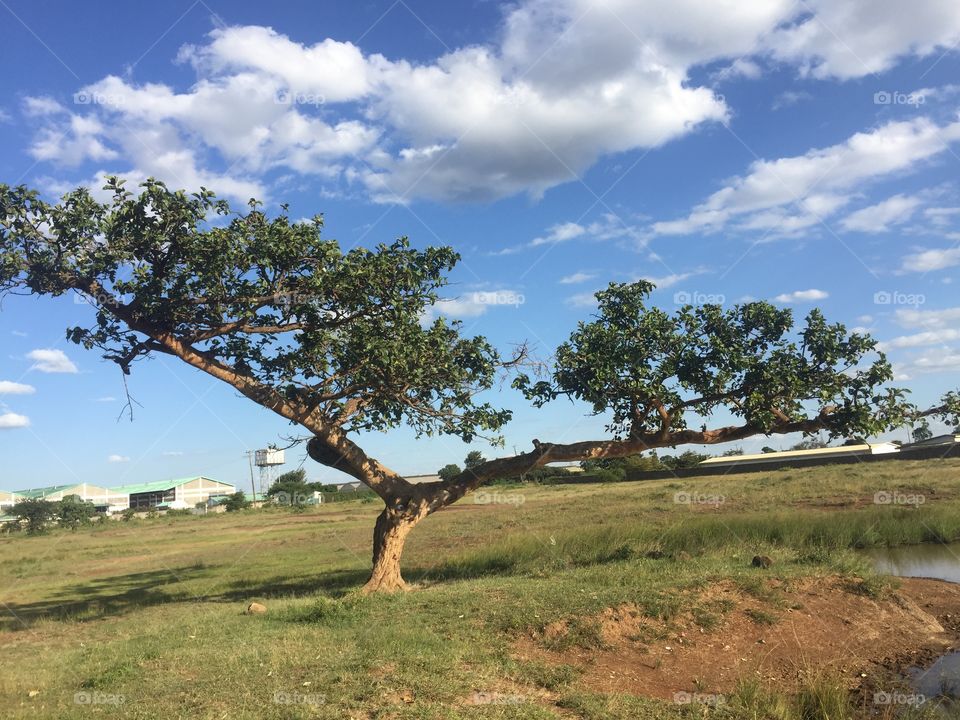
point(801, 628)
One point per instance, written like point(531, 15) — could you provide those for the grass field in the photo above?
point(145, 619)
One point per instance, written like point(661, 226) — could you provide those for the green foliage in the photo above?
point(72, 512)
point(297, 477)
point(296, 318)
point(687, 459)
point(36, 514)
point(921, 431)
point(236, 501)
point(648, 369)
point(449, 471)
point(473, 459)
point(128, 514)
point(810, 444)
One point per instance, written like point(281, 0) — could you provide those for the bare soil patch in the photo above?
point(811, 626)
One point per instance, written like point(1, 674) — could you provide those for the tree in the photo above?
point(449, 471)
point(36, 513)
point(236, 501)
point(474, 459)
point(72, 512)
point(733, 452)
point(922, 431)
point(336, 343)
point(810, 444)
point(766, 450)
point(687, 459)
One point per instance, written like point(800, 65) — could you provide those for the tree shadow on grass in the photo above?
point(120, 594)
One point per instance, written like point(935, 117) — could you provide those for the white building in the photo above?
point(8, 500)
point(844, 451)
point(184, 493)
point(100, 496)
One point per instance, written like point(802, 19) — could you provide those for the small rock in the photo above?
point(761, 561)
point(33, 693)
point(256, 609)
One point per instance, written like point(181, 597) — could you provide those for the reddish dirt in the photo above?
point(817, 625)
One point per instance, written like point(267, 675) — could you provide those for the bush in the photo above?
point(236, 501)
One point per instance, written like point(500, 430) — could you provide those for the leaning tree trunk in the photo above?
point(389, 535)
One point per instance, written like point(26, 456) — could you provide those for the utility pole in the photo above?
point(253, 486)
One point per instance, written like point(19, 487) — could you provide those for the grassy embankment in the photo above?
point(151, 610)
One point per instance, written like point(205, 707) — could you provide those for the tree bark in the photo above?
point(389, 535)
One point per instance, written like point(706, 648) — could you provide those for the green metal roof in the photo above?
point(44, 491)
point(159, 485)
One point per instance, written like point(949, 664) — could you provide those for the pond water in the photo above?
point(942, 562)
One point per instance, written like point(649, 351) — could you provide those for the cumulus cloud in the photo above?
point(882, 216)
point(117, 459)
point(564, 83)
point(929, 260)
point(51, 361)
point(802, 296)
point(9, 421)
point(8, 387)
point(576, 278)
point(854, 38)
point(789, 194)
point(474, 304)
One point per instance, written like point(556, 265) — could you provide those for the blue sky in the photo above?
point(799, 152)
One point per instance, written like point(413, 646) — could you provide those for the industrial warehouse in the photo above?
point(179, 494)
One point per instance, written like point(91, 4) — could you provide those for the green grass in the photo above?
point(151, 610)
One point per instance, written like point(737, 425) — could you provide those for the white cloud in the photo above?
point(797, 192)
point(117, 459)
point(41, 105)
point(106, 399)
point(802, 296)
point(474, 304)
point(9, 421)
point(929, 260)
point(172, 453)
point(933, 361)
point(928, 337)
point(665, 281)
point(8, 387)
point(789, 98)
point(883, 216)
point(51, 361)
point(927, 319)
point(582, 300)
point(576, 278)
point(564, 83)
point(854, 38)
